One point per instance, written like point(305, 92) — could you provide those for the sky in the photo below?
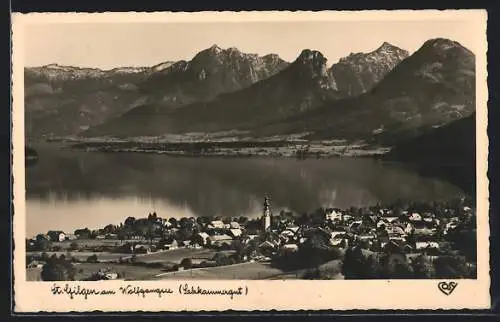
point(110, 45)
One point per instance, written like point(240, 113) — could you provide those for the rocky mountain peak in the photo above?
point(359, 72)
point(442, 43)
point(313, 62)
point(214, 48)
point(385, 45)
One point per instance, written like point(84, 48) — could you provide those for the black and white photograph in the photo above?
point(314, 149)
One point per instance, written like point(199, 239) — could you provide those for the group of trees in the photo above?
point(357, 265)
point(58, 269)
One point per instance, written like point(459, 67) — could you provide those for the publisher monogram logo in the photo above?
point(447, 287)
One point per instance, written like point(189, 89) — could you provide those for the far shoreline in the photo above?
point(297, 149)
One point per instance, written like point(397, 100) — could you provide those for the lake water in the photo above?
point(71, 189)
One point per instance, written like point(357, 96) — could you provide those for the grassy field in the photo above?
point(177, 255)
point(85, 270)
point(245, 271)
point(82, 256)
point(95, 242)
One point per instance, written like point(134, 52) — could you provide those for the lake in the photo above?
point(74, 189)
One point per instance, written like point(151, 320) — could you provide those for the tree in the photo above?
point(451, 267)
point(242, 220)
point(185, 223)
point(173, 222)
point(239, 247)
point(58, 269)
point(109, 229)
point(422, 267)
point(130, 221)
point(187, 263)
point(92, 259)
point(42, 244)
point(353, 265)
point(402, 271)
point(73, 246)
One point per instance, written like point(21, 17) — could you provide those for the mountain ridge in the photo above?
point(64, 100)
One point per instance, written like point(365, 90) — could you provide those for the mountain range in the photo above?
point(385, 95)
point(432, 87)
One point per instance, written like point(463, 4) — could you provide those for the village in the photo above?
point(401, 241)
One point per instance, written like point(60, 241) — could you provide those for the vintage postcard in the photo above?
point(218, 161)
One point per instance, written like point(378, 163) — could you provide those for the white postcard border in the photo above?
point(256, 295)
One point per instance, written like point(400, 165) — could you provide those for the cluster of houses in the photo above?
point(410, 233)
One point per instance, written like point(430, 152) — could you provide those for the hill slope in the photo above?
point(358, 73)
point(304, 84)
point(448, 152)
point(63, 100)
point(432, 87)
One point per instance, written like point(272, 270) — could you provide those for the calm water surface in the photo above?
point(70, 189)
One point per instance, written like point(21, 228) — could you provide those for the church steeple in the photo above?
point(266, 215)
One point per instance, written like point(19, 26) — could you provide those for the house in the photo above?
point(347, 218)
point(203, 236)
point(234, 225)
point(289, 248)
point(142, 249)
point(338, 234)
point(219, 240)
point(395, 246)
point(136, 237)
point(382, 224)
point(71, 237)
point(173, 245)
point(111, 236)
point(184, 243)
point(35, 264)
point(423, 231)
point(409, 228)
point(290, 232)
point(391, 220)
point(426, 245)
point(235, 232)
point(395, 231)
point(56, 235)
point(339, 242)
point(106, 274)
point(100, 237)
point(365, 237)
point(355, 225)
point(216, 224)
point(415, 217)
point(333, 215)
point(267, 248)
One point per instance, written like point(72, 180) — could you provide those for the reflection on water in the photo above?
point(70, 189)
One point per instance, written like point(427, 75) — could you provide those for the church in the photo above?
point(266, 215)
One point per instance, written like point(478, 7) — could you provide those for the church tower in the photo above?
point(266, 216)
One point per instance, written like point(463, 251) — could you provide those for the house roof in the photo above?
point(203, 235)
point(421, 245)
point(236, 232)
point(290, 247)
point(234, 225)
point(220, 237)
point(267, 243)
point(423, 231)
point(396, 230)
